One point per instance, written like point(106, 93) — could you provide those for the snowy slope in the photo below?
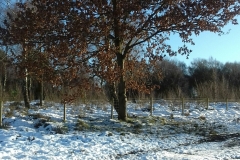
point(89, 133)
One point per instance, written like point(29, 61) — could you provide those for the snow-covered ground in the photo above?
point(89, 133)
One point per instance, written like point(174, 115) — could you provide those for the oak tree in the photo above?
point(105, 38)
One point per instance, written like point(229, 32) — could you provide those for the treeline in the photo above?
point(13, 85)
point(168, 79)
point(202, 78)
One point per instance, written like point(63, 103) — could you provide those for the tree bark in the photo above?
point(25, 92)
point(122, 95)
point(3, 86)
point(25, 81)
point(1, 104)
point(30, 88)
point(113, 97)
point(122, 98)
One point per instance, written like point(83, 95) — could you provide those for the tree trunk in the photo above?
point(30, 89)
point(122, 95)
point(25, 81)
point(3, 86)
point(122, 100)
point(113, 97)
point(118, 96)
point(25, 92)
point(1, 104)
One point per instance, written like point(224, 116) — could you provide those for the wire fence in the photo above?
point(181, 104)
point(151, 106)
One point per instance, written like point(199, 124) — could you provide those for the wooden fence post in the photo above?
point(182, 106)
point(226, 104)
point(1, 113)
point(151, 104)
point(207, 103)
point(112, 109)
point(64, 112)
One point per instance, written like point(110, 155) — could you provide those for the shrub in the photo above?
point(39, 116)
point(41, 122)
point(9, 113)
point(5, 125)
point(81, 125)
point(203, 118)
point(60, 129)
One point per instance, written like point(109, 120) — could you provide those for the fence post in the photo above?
point(207, 103)
point(226, 104)
point(112, 109)
point(64, 111)
point(182, 106)
point(151, 103)
point(1, 113)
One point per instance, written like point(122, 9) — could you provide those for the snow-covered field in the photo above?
point(89, 133)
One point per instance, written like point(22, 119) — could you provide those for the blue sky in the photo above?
point(225, 48)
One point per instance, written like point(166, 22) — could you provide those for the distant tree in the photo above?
point(3, 59)
point(205, 76)
point(110, 33)
point(231, 73)
point(174, 81)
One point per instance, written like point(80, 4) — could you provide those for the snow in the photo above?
point(40, 133)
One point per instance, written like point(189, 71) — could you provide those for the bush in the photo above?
point(39, 116)
point(81, 125)
point(41, 122)
point(203, 118)
point(60, 129)
point(5, 126)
